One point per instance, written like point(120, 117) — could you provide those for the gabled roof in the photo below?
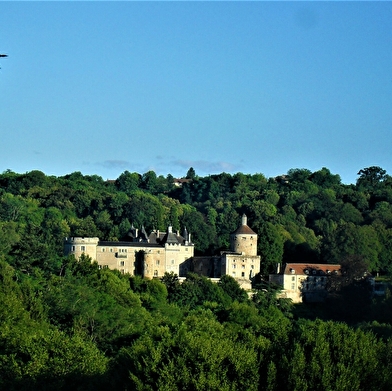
point(170, 238)
point(165, 237)
point(310, 268)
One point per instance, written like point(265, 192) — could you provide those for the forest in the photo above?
point(66, 324)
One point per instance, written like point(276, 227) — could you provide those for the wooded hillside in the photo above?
point(66, 324)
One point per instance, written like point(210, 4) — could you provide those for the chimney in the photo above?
point(244, 219)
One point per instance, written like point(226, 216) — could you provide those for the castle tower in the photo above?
point(244, 239)
point(78, 246)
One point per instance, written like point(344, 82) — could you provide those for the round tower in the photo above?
point(78, 246)
point(244, 239)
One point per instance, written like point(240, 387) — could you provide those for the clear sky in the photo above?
point(252, 87)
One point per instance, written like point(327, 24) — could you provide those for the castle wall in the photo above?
point(207, 266)
point(142, 258)
point(241, 266)
point(80, 245)
point(172, 253)
point(244, 243)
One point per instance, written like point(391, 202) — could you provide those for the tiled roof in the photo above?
point(310, 268)
point(244, 230)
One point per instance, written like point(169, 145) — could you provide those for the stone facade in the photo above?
point(153, 255)
point(304, 282)
point(149, 257)
point(240, 261)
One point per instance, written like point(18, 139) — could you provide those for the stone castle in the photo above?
point(151, 256)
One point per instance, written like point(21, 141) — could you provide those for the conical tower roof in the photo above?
point(244, 229)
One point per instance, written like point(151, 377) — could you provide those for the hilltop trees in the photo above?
point(301, 216)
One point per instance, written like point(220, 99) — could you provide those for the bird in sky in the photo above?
point(3, 55)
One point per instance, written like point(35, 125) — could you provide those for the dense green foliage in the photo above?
point(301, 216)
point(97, 329)
point(66, 324)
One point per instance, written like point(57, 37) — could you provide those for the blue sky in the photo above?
point(253, 87)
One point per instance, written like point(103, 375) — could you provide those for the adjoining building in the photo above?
point(304, 282)
point(153, 255)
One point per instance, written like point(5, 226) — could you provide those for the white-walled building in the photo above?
point(304, 282)
point(153, 255)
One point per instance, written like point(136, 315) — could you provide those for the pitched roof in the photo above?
point(170, 238)
point(310, 268)
point(244, 229)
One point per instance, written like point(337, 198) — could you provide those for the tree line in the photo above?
point(301, 216)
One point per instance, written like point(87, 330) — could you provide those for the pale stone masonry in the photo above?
point(304, 282)
point(160, 252)
point(149, 257)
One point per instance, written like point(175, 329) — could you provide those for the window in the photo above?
point(106, 266)
point(292, 278)
point(111, 250)
point(252, 266)
point(157, 262)
point(172, 261)
point(292, 287)
point(73, 248)
point(122, 263)
point(234, 266)
point(155, 273)
point(233, 274)
point(243, 274)
point(103, 249)
point(243, 266)
point(83, 248)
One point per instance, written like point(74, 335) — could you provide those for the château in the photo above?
point(153, 255)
